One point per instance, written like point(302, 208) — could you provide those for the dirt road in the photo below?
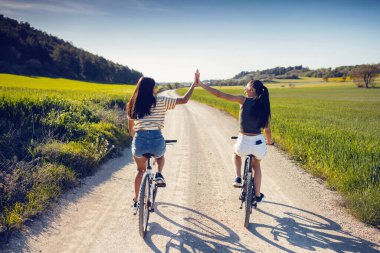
point(199, 210)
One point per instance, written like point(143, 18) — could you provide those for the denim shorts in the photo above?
point(148, 141)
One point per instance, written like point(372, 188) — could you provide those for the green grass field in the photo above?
point(53, 131)
point(333, 130)
point(72, 89)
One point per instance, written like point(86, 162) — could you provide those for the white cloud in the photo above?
point(146, 5)
point(50, 6)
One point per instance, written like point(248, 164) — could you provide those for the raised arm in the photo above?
point(233, 98)
point(186, 97)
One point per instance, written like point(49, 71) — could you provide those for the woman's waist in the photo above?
point(148, 131)
point(148, 126)
point(250, 134)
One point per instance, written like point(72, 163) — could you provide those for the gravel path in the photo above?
point(199, 210)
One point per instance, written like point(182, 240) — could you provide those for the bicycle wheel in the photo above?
point(144, 205)
point(248, 201)
point(254, 203)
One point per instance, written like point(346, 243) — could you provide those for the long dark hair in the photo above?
point(261, 108)
point(142, 99)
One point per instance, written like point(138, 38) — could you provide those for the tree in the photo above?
point(364, 75)
point(28, 51)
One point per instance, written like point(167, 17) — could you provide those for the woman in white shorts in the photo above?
point(253, 117)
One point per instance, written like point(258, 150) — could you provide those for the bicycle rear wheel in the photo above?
point(144, 205)
point(248, 201)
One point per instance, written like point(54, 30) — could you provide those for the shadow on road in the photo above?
point(201, 234)
point(306, 231)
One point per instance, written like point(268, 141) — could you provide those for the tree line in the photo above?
point(25, 50)
point(300, 71)
point(362, 75)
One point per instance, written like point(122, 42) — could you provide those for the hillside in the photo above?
point(25, 50)
point(286, 73)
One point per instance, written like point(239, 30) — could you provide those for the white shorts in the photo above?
point(246, 145)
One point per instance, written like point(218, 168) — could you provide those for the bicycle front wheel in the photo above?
point(144, 205)
point(248, 201)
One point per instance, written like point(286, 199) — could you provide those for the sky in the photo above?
point(169, 39)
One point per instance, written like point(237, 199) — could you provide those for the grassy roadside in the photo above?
point(333, 131)
point(53, 132)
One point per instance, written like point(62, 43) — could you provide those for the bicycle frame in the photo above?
point(147, 194)
point(247, 195)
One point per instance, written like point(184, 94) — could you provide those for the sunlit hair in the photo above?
point(261, 109)
point(142, 99)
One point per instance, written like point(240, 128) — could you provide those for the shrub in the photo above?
point(48, 138)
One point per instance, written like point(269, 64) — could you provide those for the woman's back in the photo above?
point(248, 121)
point(155, 120)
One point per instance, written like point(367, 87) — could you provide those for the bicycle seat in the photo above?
point(148, 155)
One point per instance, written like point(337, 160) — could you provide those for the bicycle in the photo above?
point(247, 195)
point(147, 194)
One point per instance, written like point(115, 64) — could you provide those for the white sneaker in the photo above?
point(160, 180)
point(238, 183)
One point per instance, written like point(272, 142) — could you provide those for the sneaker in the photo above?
point(160, 180)
point(259, 198)
point(237, 183)
point(135, 206)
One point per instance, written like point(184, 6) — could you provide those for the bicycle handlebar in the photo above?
point(170, 141)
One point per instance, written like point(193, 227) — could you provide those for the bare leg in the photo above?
point(141, 166)
point(257, 176)
point(236, 160)
point(160, 163)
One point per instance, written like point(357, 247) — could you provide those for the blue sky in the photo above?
point(169, 39)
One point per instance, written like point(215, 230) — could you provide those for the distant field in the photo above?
point(333, 129)
point(63, 86)
point(53, 131)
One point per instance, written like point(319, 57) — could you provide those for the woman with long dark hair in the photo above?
point(253, 117)
point(146, 115)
